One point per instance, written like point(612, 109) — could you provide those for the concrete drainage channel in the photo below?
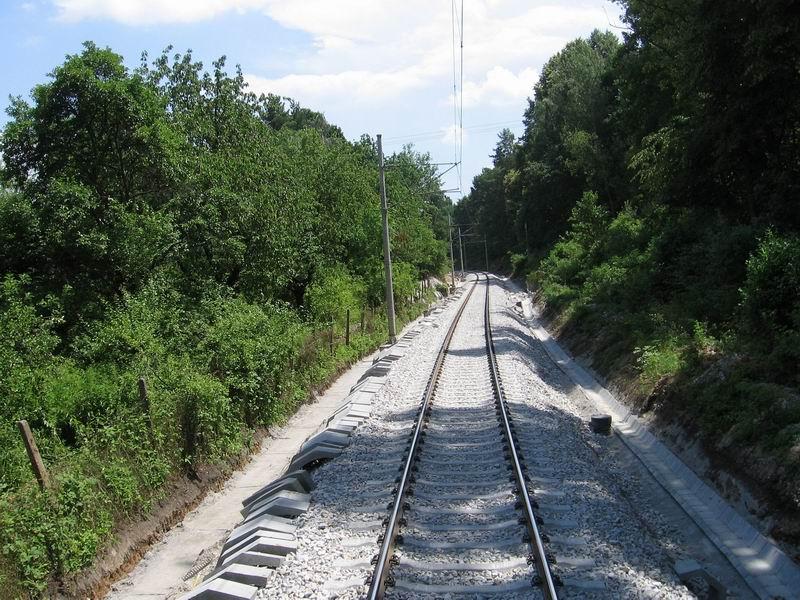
point(267, 533)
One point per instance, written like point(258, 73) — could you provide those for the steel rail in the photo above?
point(377, 585)
point(546, 579)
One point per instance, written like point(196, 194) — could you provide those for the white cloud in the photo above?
point(349, 87)
point(368, 49)
point(500, 87)
point(145, 12)
point(450, 135)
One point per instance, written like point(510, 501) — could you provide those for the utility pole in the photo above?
point(460, 249)
point(452, 260)
point(387, 257)
point(486, 253)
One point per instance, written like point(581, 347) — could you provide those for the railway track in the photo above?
point(463, 457)
point(463, 520)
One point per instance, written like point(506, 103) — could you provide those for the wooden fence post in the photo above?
point(363, 310)
point(347, 329)
point(144, 398)
point(330, 339)
point(143, 395)
point(42, 476)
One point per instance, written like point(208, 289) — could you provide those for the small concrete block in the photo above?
point(299, 475)
point(246, 556)
point(285, 483)
point(389, 356)
point(221, 589)
point(345, 426)
point(340, 412)
point(270, 542)
point(361, 397)
point(342, 415)
point(247, 574)
point(370, 384)
point(687, 568)
point(262, 524)
point(379, 369)
point(319, 452)
point(355, 411)
point(352, 411)
point(282, 504)
point(328, 438)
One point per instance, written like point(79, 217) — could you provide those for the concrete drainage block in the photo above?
point(268, 542)
point(313, 455)
point(379, 369)
point(250, 556)
point(352, 411)
point(261, 542)
point(291, 484)
point(344, 425)
point(246, 574)
point(359, 397)
point(222, 589)
point(327, 438)
point(281, 504)
point(263, 524)
point(371, 384)
point(300, 476)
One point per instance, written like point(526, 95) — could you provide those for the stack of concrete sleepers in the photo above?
point(267, 533)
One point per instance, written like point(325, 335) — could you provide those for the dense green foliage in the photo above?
point(167, 224)
point(654, 200)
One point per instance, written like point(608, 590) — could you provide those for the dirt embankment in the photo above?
point(763, 490)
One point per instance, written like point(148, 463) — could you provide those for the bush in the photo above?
point(661, 359)
point(251, 348)
point(26, 361)
point(332, 292)
point(588, 221)
point(563, 265)
point(771, 291)
point(404, 280)
point(626, 233)
point(518, 264)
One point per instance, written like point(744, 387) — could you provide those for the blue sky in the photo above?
point(372, 66)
